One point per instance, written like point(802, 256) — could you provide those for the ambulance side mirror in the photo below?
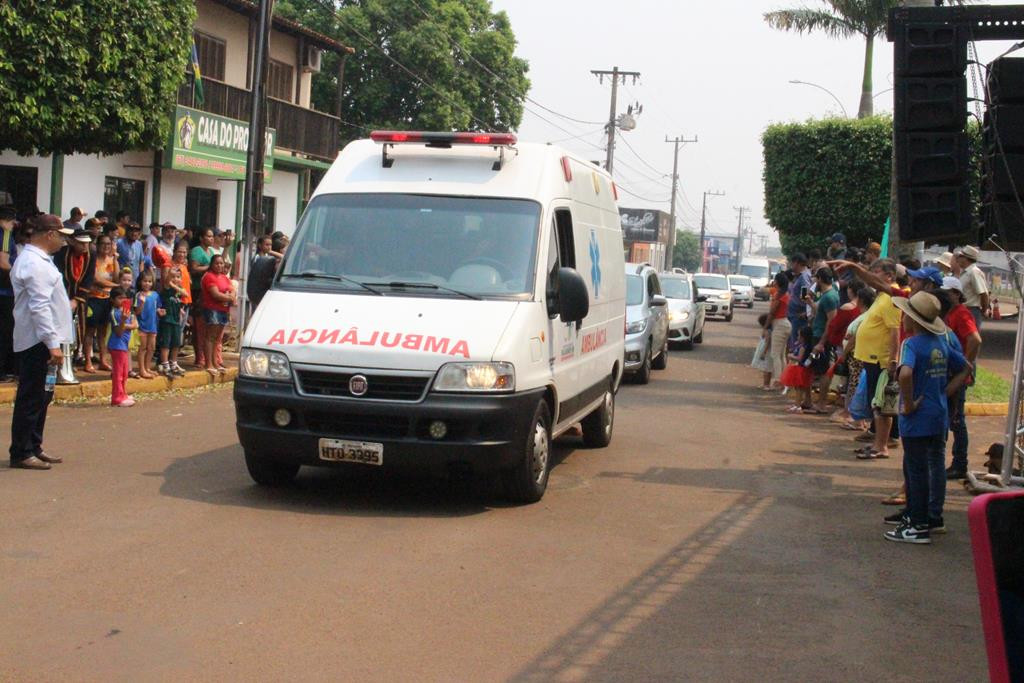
point(573, 297)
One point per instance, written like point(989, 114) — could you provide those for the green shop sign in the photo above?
point(206, 143)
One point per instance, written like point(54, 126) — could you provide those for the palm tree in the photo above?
point(842, 19)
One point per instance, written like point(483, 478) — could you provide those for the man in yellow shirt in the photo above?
point(877, 347)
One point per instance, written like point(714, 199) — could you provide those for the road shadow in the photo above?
point(807, 567)
point(219, 477)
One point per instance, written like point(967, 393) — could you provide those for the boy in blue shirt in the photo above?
point(927, 361)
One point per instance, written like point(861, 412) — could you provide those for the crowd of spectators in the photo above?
point(154, 294)
point(893, 347)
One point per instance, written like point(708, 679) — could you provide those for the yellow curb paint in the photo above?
point(101, 389)
point(987, 409)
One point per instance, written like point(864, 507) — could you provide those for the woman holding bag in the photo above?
point(777, 329)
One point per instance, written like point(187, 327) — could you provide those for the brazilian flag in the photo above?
point(197, 79)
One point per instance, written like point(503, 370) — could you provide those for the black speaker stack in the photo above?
point(933, 156)
point(929, 121)
point(1002, 211)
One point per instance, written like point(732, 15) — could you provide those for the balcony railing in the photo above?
point(298, 129)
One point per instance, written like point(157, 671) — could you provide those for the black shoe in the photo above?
point(936, 526)
point(908, 533)
point(898, 519)
point(953, 473)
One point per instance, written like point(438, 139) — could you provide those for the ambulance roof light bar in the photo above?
point(442, 140)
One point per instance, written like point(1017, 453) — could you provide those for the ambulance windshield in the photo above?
point(392, 242)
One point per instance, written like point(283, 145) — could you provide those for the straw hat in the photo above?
point(946, 260)
point(924, 309)
point(970, 252)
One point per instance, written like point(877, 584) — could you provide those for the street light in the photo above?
point(819, 87)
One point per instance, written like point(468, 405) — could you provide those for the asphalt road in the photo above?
point(716, 539)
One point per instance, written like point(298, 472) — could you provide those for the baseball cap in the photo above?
point(838, 237)
point(82, 235)
point(927, 273)
point(950, 282)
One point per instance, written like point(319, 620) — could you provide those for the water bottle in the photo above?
point(51, 377)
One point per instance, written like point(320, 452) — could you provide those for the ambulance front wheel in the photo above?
point(526, 481)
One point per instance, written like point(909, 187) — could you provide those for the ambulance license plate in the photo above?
point(365, 452)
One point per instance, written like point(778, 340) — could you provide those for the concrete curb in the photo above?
point(987, 409)
point(101, 388)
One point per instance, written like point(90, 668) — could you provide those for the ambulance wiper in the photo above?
point(315, 275)
point(429, 285)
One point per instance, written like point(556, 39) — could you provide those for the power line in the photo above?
point(401, 66)
point(641, 197)
point(637, 155)
point(577, 137)
point(483, 66)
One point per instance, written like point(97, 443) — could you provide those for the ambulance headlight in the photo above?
point(477, 377)
point(259, 364)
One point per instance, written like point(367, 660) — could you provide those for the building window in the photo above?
point(269, 214)
point(212, 55)
point(201, 207)
point(18, 187)
point(279, 81)
point(124, 194)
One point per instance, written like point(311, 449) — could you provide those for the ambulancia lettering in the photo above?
point(393, 340)
point(592, 341)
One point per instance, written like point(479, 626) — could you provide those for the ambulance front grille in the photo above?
point(379, 387)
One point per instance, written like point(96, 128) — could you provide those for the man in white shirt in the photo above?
point(42, 322)
point(975, 288)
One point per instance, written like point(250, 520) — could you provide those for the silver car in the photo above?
point(685, 314)
point(719, 295)
point(742, 290)
point(646, 323)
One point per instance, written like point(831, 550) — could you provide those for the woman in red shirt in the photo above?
point(218, 297)
point(777, 328)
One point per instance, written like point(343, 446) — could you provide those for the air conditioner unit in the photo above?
point(311, 59)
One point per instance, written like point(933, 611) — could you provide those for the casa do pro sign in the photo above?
point(215, 145)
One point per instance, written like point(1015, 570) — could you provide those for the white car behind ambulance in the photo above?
point(448, 300)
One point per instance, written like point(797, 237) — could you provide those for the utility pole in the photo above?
point(672, 198)
point(615, 76)
point(739, 234)
point(252, 202)
point(703, 224)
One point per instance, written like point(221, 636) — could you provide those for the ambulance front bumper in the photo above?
point(483, 432)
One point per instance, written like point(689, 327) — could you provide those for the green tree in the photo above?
point(90, 77)
point(842, 19)
point(464, 50)
point(686, 253)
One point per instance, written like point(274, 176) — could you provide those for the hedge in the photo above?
point(835, 175)
point(827, 176)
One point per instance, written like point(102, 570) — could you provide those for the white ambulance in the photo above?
point(450, 300)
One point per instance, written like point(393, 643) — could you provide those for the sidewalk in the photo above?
point(98, 385)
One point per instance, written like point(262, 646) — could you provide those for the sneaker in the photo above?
point(898, 519)
point(164, 369)
point(936, 526)
point(178, 370)
point(908, 533)
point(952, 473)
point(127, 403)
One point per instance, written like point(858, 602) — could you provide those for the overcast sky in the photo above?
point(710, 69)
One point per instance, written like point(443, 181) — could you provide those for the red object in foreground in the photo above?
point(998, 543)
point(441, 138)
